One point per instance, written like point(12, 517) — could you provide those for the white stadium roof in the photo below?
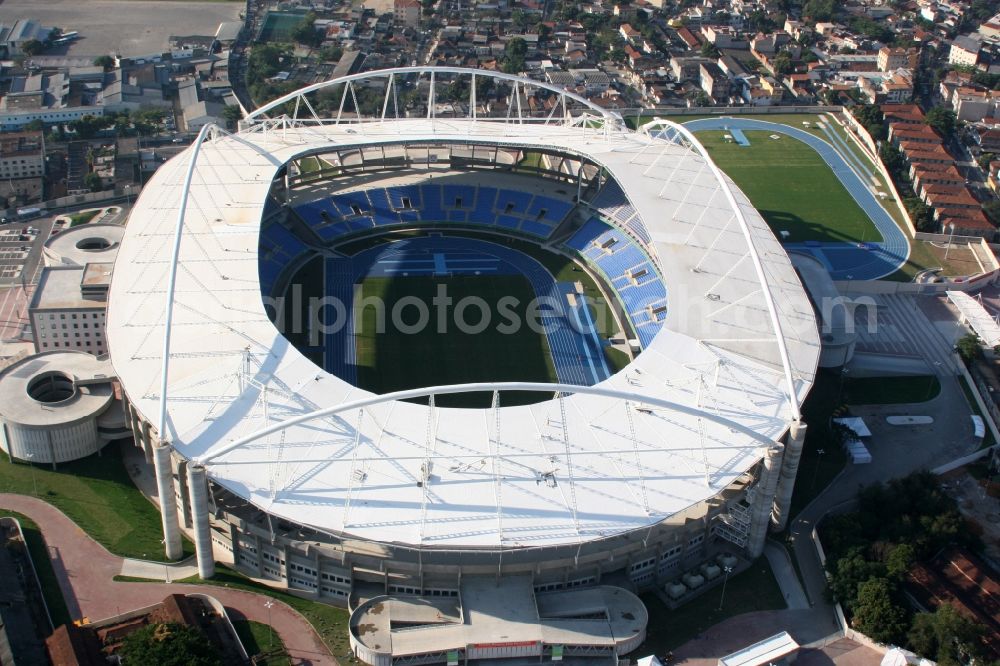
point(356, 470)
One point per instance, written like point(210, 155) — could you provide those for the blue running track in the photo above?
point(845, 261)
point(576, 347)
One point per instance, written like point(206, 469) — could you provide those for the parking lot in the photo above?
point(138, 28)
point(21, 250)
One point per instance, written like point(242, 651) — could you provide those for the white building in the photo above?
point(964, 51)
point(68, 308)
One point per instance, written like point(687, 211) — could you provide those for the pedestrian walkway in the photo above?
point(784, 573)
point(86, 570)
point(159, 570)
point(901, 328)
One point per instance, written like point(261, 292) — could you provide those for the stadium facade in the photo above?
point(296, 475)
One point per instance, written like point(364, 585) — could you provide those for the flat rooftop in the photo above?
point(59, 289)
point(602, 616)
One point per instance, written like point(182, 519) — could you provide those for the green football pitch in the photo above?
point(792, 187)
point(390, 359)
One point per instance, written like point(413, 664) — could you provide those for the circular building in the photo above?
point(649, 422)
point(59, 406)
point(84, 244)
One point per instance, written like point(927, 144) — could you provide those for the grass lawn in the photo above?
point(792, 187)
point(752, 590)
point(328, 621)
point(395, 360)
point(262, 644)
point(77, 219)
point(98, 495)
point(43, 567)
point(890, 390)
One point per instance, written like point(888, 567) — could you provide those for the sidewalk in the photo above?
point(85, 570)
point(784, 573)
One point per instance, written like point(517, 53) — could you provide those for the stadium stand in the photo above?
point(278, 247)
point(534, 215)
point(612, 204)
point(628, 269)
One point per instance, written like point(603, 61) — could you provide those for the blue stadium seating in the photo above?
point(351, 212)
point(628, 269)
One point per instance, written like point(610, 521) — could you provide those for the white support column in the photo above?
point(198, 487)
point(786, 481)
point(760, 512)
point(168, 501)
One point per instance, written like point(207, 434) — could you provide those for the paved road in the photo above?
point(845, 261)
point(85, 571)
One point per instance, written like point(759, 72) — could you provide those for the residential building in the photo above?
point(714, 81)
point(892, 58)
point(406, 12)
point(22, 155)
point(964, 51)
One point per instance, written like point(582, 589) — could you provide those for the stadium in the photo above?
point(510, 362)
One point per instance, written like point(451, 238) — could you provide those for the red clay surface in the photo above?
point(958, 578)
point(86, 571)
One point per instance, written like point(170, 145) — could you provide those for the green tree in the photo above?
point(899, 561)
point(877, 614)
point(969, 347)
point(513, 55)
point(984, 160)
point(306, 33)
point(332, 54)
point(851, 571)
point(232, 115)
point(941, 120)
point(169, 644)
point(782, 63)
point(921, 214)
point(34, 126)
point(946, 636)
point(105, 61)
point(871, 118)
point(992, 210)
point(93, 182)
point(32, 47)
point(819, 10)
point(709, 50)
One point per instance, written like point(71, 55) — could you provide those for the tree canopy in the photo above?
point(941, 120)
point(169, 644)
point(513, 55)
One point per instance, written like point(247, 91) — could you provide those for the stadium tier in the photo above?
point(612, 204)
point(534, 215)
point(629, 270)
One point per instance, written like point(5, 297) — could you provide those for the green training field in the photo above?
point(394, 360)
point(792, 187)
